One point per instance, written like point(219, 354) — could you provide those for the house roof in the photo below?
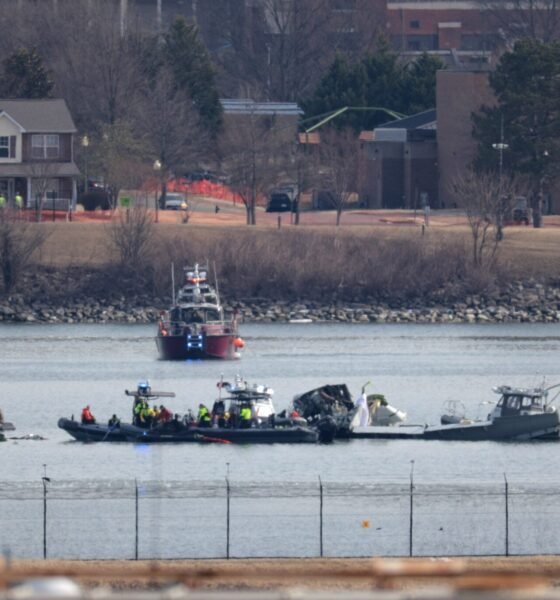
point(420, 126)
point(423, 120)
point(35, 170)
point(248, 107)
point(39, 116)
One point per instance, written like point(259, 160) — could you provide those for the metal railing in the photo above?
point(225, 519)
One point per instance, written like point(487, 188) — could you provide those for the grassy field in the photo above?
point(525, 251)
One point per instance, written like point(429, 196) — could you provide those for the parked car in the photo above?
point(282, 200)
point(174, 201)
point(520, 212)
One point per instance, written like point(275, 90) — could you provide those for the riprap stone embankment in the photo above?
point(531, 302)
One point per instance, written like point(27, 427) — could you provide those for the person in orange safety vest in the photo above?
point(87, 417)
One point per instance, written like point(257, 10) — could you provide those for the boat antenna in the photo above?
point(173, 282)
point(220, 387)
point(216, 282)
point(552, 387)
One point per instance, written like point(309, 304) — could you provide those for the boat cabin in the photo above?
point(257, 397)
point(196, 288)
point(203, 313)
point(520, 401)
point(197, 293)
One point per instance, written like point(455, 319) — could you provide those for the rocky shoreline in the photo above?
point(530, 302)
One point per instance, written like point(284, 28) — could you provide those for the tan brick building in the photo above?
point(458, 95)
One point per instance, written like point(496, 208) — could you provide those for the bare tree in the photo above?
point(97, 68)
point(281, 48)
point(43, 176)
point(173, 132)
point(131, 236)
point(257, 154)
point(19, 240)
point(304, 171)
point(487, 201)
point(517, 19)
point(339, 167)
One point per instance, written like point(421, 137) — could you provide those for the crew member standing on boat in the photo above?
point(245, 416)
point(204, 419)
point(139, 407)
point(218, 412)
point(87, 417)
point(114, 421)
point(164, 415)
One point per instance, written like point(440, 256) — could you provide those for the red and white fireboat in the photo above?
point(195, 326)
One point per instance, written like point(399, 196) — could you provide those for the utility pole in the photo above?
point(500, 147)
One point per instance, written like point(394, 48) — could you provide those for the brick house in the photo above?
point(36, 153)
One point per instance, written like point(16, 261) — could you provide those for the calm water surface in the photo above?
point(48, 371)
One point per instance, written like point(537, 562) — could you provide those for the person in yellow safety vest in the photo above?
point(18, 201)
point(148, 415)
point(2, 200)
point(204, 419)
point(141, 413)
point(245, 416)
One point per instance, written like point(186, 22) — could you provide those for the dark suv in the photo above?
point(279, 202)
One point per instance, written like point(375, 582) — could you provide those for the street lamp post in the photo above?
point(157, 170)
point(500, 147)
point(85, 145)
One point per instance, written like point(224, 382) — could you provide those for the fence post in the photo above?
point(320, 517)
point(410, 548)
point(45, 480)
point(506, 498)
point(227, 516)
point(136, 519)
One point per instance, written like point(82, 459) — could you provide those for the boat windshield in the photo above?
point(194, 315)
point(516, 402)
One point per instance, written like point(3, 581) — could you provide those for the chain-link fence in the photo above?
point(121, 519)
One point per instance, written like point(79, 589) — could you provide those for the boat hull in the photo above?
point(208, 346)
point(516, 428)
point(130, 433)
point(257, 435)
point(99, 432)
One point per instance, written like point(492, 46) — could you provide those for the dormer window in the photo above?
point(45, 146)
point(7, 146)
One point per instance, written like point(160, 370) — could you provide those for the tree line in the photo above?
point(143, 97)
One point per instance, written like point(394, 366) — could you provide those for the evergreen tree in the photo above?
point(527, 87)
point(193, 71)
point(419, 84)
point(25, 76)
point(377, 87)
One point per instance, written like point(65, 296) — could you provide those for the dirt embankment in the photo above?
point(331, 573)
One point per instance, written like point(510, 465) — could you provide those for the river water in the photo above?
point(48, 371)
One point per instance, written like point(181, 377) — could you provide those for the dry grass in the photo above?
point(315, 262)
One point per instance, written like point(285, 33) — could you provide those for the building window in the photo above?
point(414, 24)
point(44, 146)
point(343, 5)
point(7, 146)
point(421, 43)
point(4, 146)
